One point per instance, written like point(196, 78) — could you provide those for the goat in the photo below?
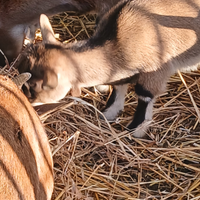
point(20, 18)
point(26, 167)
point(147, 38)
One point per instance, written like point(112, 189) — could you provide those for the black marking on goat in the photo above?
point(53, 46)
point(19, 135)
point(141, 91)
point(107, 29)
point(111, 99)
point(139, 115)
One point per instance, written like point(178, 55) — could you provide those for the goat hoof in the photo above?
point(139, 131)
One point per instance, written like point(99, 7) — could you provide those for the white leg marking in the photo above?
point(149, 111)
point(118, 105)
point(142, 128)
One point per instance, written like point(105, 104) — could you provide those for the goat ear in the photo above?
point(21, 79)
point(46, 30)
point(50, 80)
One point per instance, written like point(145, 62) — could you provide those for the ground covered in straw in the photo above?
point(94, 159)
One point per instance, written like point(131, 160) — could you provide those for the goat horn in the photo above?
point(21, 79)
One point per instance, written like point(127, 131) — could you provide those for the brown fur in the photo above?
point(153, 38)
point(19, 17)
point(26, 168)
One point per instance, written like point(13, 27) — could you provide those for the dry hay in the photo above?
point(97, 160)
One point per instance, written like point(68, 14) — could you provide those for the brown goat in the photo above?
point(20, 18)
point(26, 168)
point(151, 37)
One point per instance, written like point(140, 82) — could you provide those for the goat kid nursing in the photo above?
point(152, 38)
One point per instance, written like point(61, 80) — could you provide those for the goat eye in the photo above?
point(32, 85)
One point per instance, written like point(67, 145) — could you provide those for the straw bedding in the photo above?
point(94, 159)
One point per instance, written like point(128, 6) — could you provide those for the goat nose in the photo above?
point(37, 85)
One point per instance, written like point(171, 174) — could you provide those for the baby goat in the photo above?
point(18, 18)
point(152, 38)
point(26, 168)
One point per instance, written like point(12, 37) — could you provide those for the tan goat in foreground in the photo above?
point(150, 38)
point(26, 167)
